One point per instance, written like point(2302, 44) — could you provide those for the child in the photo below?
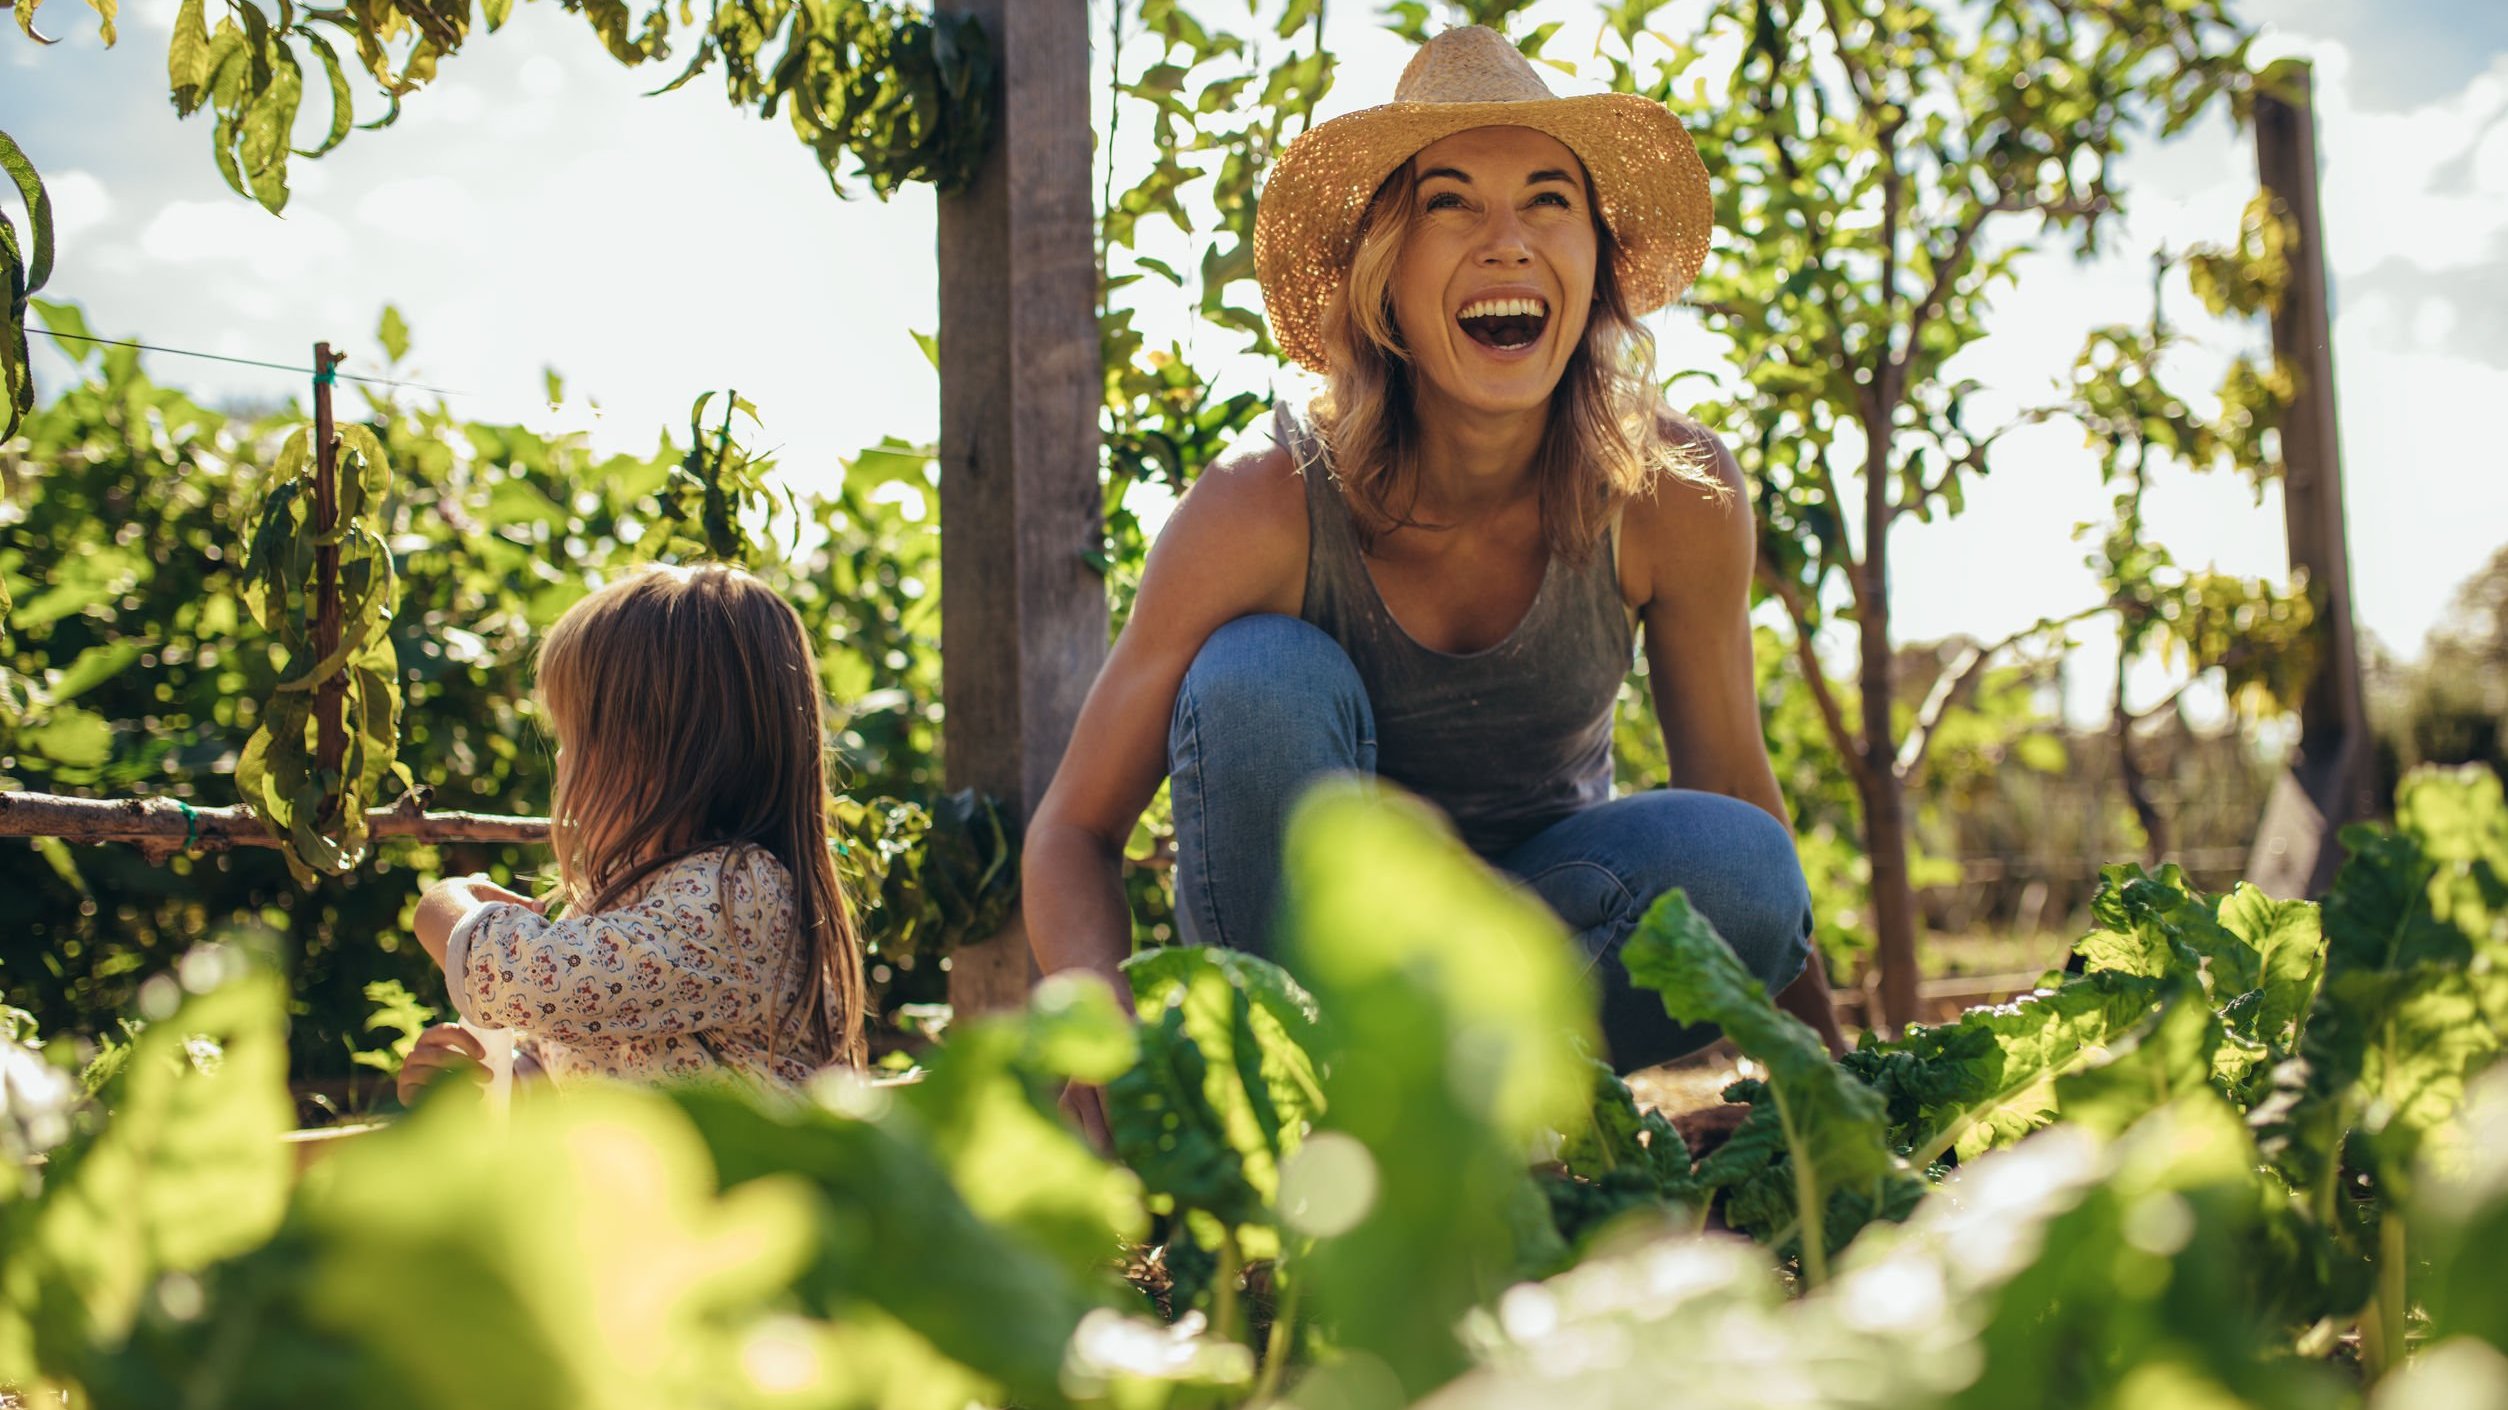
point(704, 928)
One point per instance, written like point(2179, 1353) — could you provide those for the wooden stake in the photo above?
point(2332, 780)
point(1024, 628)
point(330, 697)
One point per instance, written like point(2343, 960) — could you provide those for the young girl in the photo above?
point(704, 928)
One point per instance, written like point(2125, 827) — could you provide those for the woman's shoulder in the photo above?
point(1240, 531)
point(1259, 474)
point(1695, 513)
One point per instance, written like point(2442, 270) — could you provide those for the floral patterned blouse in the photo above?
point(679, 980)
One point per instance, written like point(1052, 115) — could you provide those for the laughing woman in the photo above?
point(1438, 572)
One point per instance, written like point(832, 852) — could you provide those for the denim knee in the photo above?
point(1762, 904)
point(1269, 679)
point(1739, 868)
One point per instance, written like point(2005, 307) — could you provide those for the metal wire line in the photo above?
point(253, 362)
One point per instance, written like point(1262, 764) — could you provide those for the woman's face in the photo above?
point(1493, 282)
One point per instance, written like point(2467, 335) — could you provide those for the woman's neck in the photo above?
point(1474, 463)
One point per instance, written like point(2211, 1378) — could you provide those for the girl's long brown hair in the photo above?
point(687, 711)
point(1605, 441)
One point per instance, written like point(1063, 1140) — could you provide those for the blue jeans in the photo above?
point(1271, 704)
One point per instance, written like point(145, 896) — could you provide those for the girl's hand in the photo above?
point(483, 892)
point(447, 1047)
point(444, 904)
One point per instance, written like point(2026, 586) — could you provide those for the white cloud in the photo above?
point(436, 209)
point(2427, 186)
point(232, 230)
point(80, 203)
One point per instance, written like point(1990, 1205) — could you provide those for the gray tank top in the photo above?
point(1506, 740)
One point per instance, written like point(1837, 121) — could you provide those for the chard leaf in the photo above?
point(2170, 1056)
point(1253, 1027)
point(1833, 1125)
point(1453, 1009)
point(1988, 1079)
point(2290, 954)
point(1019, 1166)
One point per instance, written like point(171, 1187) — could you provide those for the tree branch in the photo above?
point(1816, 677)
point(1954, 682)
point(161, 827)
point(1945, 272)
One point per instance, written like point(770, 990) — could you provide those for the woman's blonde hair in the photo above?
point(1605, 441)
point(687, 711)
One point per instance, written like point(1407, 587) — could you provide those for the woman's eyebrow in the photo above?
point(1551, 174)
point(1450, 173)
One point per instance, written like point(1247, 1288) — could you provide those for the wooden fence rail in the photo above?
point(161, 827)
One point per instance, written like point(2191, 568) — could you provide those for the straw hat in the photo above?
point(1648, 181)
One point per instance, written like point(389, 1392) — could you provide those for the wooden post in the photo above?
point(1023, 629)
point(331, 697)
point(2331, 781)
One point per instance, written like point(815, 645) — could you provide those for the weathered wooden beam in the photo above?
point(2331, 781)
point(1023, 620)
point(161, 827)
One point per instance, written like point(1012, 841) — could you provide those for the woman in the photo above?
point(1439, 573)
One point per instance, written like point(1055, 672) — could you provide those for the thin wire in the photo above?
point(254, 362)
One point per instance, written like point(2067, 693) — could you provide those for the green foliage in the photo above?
point(134, 664)
point(188, 1171)
point(321, 583)
point(926, 873)
point(27, 267)
point(907, 93)
point(398, 1012)
point(1826, 1126)
point(1452, 1013)
point(951, 1242)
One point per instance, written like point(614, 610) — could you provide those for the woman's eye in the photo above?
point(1555, 198)
point(1444, 200)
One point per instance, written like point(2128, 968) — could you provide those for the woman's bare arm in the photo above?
point(1694, 555)
point(1235, 547)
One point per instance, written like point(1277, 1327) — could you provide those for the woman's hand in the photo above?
point(1087, 1107)
point(447, 1047)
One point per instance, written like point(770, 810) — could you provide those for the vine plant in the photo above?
point(320, 580)
point(907, 94)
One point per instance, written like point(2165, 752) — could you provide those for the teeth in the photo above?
point(1505, 308)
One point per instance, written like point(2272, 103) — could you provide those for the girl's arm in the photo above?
point(1694, 555)
point(444, 906)
point(689, 955)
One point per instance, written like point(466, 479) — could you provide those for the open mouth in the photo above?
point(1504, 324)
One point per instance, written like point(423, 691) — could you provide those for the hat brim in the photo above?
point(1646, 181)
point(1648, 184)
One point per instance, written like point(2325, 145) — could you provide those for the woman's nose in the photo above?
point(1504, 243)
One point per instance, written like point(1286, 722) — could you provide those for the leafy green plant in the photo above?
point(27, 266)
point(1813, 1163)
point(399, 1013)
point(906, 92)
point(2137, 1239)
point(322, 583)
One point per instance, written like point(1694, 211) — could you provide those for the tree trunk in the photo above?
point(1884, 797)
point(2137, 787)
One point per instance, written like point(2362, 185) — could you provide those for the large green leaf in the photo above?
point(1452, 1012)
point(188, 1170)
point(1987, 1079)
point(1006, 1148)
point(1252, 1028)
point(895, 1233)
point(1833, 1125)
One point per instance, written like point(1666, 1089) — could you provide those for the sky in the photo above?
point(533, 210)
